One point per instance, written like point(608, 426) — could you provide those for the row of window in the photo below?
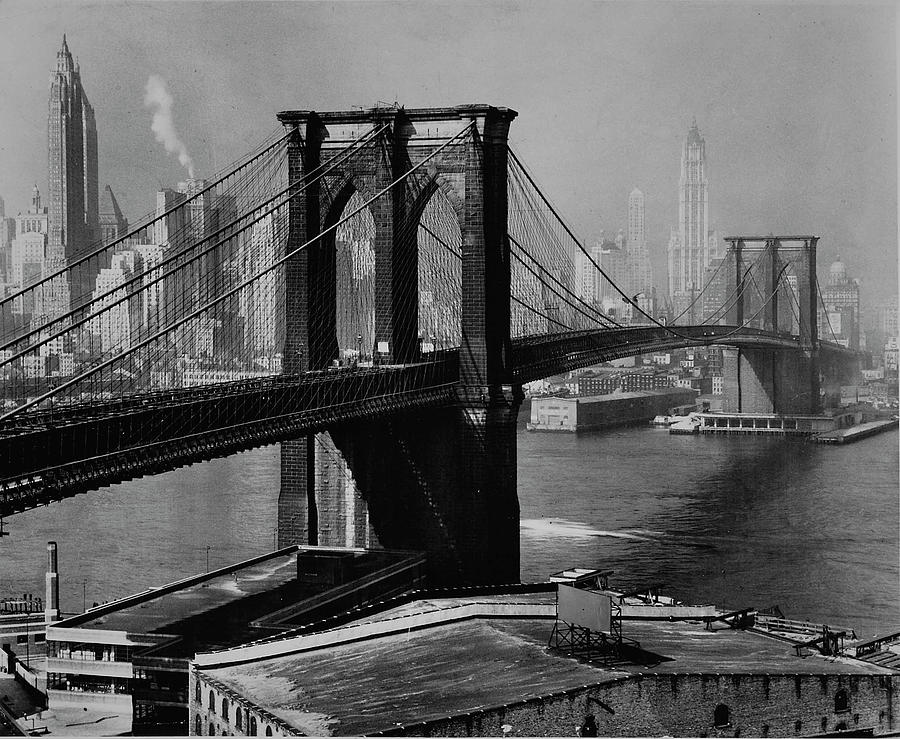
point(242, 716)
point(88, 683)
point(198, 728)
point(90, 652)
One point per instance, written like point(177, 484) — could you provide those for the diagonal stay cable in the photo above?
point(136, 231)
point(181, 258)
point(234, 290)
point(599, 315)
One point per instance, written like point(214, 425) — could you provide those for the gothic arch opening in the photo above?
point(439, 241)
point(355, 282)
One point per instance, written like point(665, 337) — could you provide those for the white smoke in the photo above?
point(158, 99)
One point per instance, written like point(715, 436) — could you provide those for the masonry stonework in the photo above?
point(443, 481)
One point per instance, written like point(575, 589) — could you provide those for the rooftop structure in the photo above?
point(469, 664)
point(130, 657)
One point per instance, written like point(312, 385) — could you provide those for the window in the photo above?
point(251, 725)
point(721, 716)
point(21, 638)
point(841, 701)
point(225, 708)
point(238, 719)
point(211, 703)
point(198, 726)
point(268, 731)
point(798, 725)
point(198, 695)
point(212, 729)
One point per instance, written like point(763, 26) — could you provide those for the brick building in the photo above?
point(479, 665)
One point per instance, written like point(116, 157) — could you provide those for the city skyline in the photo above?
point(769, 150)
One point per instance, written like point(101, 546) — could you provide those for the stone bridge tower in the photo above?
point(443, 481)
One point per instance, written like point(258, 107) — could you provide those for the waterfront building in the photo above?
point(127, 661)
point(478, 664)
point(72, 177)
point(692, 244)
point(604, 411)
point(839, 311)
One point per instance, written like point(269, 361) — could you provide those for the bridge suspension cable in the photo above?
point(825, 310)
point(587, 254)
point(176, 262)
point(100, 248)
point(226, 294)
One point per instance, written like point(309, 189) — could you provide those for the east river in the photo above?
point(740, 522)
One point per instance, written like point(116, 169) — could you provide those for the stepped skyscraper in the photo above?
point(74, 212)
point(692, 245)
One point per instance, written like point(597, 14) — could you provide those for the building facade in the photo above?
point(74, 214)
point(113, 224)
point(692, 245)
point(839, 311)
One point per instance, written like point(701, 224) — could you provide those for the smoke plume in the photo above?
point(158, 99)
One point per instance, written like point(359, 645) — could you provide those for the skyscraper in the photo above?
point(639, 267)
point(74, 213)
point(636, 236)
point(839, 312)
point(692, 246)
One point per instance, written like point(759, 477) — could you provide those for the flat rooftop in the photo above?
point(219, 609)
point(452, 667)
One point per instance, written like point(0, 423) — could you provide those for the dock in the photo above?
point(855, 433)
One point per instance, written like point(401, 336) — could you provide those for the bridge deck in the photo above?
point(49, 454)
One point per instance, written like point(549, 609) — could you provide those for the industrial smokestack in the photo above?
point(51, 597)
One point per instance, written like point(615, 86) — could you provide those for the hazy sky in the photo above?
point(797, 102)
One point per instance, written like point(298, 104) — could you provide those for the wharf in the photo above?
point(855, 433)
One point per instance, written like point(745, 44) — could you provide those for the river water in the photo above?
point(746, 521)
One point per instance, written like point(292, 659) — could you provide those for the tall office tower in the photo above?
point(636, 235)
point(692, 245)
point(7, 234)
point(639, 268)
point(72, 178)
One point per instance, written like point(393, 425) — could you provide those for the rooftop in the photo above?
point(415, 662)
point(221, 608)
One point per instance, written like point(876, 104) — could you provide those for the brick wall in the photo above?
point(685, 705)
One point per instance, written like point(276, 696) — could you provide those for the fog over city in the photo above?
point(797, 103)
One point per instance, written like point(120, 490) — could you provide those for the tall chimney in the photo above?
point(51, 598)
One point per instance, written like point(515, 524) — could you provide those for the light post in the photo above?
point(84, 595)
point(207, 558)
point(358, 348)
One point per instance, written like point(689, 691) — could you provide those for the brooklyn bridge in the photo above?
point(373, 292)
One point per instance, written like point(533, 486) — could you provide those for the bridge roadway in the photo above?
point(49, 455)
